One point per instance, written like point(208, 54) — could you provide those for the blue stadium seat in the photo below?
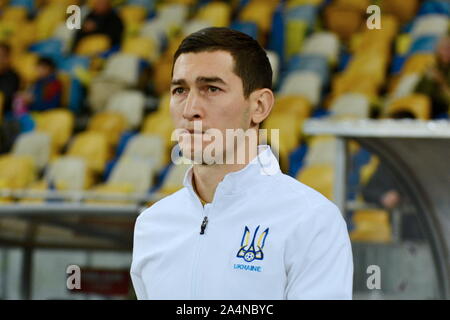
point(249, 28)
point(147, 4)
point(28, 4)
point(276, 40)
point(307, 13)
point(435, 6)
point(423, 44)
point(72, 62)
point(315, 63)
point(51, 48)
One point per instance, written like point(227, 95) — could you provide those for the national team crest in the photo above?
point(250, 251)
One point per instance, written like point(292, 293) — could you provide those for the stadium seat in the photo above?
point(424, 44)
point(68, 173)
point(320, 177)
point(14, 14)
point(371, 226)
point(305, 83)
point(121, 67)
point(314, 63)
point(100, 91)
point(194, 25)
point(17, 171)
point(343, 21)
point(275, 64)
point(58, 124)
point(418, 104)
point(403, 10)
point(137, 172)
point(26, 64)
point(418, 63)
point(147, 147)
point(360, 5)
point(356, 105)
point(160, 123)
point(406, 85)
point(141, 47)
point(174, 179)
point(435, 7)
point(35, 144)
point(306, 13)
point(322, 151)
point(91, 146)
point(324, 44)
point(93, 45)
point(430, 24)
point(111, 124)
point(131, 104)
point(297, 106)
point(133, 13)
point(49, 18)
point(295, 33)
point(216, 13)
point(249, 28)
point(259, 12)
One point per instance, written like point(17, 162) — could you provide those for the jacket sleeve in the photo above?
point(138, 285)
point(318, 257)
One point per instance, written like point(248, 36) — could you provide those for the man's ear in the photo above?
point(262, 101)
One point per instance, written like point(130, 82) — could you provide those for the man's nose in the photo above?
point(192, 108)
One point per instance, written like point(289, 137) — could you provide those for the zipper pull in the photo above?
point(203, 226)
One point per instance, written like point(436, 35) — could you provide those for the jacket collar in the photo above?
point(256, 171)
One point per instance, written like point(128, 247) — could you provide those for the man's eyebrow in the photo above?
point(175, 82)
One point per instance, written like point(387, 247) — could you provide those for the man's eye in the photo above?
point(178, 90)
point(213, 89)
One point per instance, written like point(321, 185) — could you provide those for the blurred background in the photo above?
point(85, 131)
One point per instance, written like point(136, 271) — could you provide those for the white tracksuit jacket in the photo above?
point(267, 236)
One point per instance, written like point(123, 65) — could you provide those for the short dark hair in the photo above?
point(48, 62)
point(250, 60)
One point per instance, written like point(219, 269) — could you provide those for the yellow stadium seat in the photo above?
point(371, 226)
point(14, 14)
point(368, 170)
point(360, 5)
point(105, 193)
point(403, 44)
point(217, 13)
point(93, 45)
point(295, 3)
point(259, 12)
point(417, 104)
point(370, 64)
point(353, 83)
point(419, 63)
point(22, 37)
point(49, 18)
point(26, 65)
point(320, 177)
point(292, 105)
point(111, 124)
point(132, 14)
point(141, 47)
point(295, 34)
point(162, 75)
point(58, 124)
point(93, 147)
point(17, 171)
point(403, 10)
point(343, 21)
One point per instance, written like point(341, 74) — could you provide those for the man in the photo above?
point(101, 20)
point(9, 80)
point(239, 230)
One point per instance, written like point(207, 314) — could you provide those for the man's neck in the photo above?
point(207, 177)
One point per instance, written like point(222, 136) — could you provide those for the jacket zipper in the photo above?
point(201, 236)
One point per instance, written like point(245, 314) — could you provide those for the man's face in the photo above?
point(101, 6)
point(205, 88)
